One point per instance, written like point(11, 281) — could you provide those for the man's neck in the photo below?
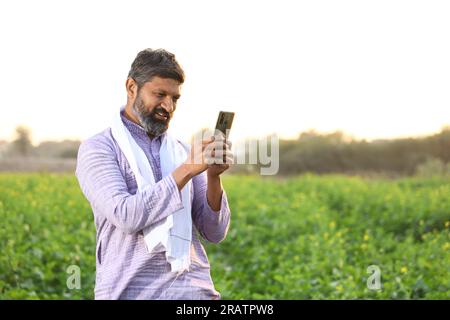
point(129, 115)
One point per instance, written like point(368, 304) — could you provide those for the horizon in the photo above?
point(352, 137)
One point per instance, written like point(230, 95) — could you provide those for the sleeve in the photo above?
point(212, 225)
point(105, 188)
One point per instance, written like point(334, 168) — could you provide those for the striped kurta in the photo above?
point(124, 267)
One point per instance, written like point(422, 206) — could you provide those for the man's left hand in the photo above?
point(222, 164)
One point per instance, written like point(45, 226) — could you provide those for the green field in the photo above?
point(309, 237)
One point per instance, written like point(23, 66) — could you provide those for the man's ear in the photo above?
point(131, 87)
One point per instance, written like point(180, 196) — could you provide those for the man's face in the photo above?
point(155, 104)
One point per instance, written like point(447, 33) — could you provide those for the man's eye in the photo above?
point(161, 95)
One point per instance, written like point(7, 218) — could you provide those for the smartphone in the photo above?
point(224, 122)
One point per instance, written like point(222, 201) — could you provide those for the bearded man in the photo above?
point(153, 196)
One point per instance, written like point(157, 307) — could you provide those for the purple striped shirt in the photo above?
point(124, 267)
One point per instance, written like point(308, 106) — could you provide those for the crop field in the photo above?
point(306, 237)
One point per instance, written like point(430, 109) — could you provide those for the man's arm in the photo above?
point(214, 191)
point(210, 210)
point(105, 188)
point(211, 220)
point(184, 173)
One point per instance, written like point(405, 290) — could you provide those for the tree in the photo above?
point(22, 144)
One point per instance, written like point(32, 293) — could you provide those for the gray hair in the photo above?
point(151, 63)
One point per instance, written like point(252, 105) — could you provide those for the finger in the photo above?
point(200, 145)
point(228, 149)
point(219, 142)
point(226, 145)
point(226, 159)
point(224, 166)
point(219, 137)
point(217, 150)
point(218, 146)
point(229, 160)
point(208, 141)
point(210, 160)
point(208, 149)
point(221, 158)
point(221, 167)
point(220, 154)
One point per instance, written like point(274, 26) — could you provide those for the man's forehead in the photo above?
point(166, 84)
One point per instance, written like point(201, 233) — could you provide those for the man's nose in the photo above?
point(168, 105)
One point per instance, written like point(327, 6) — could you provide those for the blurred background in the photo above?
point(357, 92)
point(358, 82)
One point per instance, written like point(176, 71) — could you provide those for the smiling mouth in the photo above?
point(162, 115)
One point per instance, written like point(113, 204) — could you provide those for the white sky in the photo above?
point(374, 69)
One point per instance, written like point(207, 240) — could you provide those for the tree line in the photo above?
point(338, 153)
point(311, 152)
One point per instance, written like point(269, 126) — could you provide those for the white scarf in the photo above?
point(175, 231)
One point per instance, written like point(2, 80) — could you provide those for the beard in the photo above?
point(148, 120)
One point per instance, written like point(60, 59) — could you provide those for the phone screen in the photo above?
point(224, 122)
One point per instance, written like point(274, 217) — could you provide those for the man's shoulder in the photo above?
point(102, 141)
point(97, 147)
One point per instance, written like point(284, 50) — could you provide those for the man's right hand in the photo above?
point(195, 164)
point(201, 156)
point(197, 161)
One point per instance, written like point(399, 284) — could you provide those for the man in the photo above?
point(128, 208)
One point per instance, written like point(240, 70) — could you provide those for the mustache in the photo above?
point(162, 111)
